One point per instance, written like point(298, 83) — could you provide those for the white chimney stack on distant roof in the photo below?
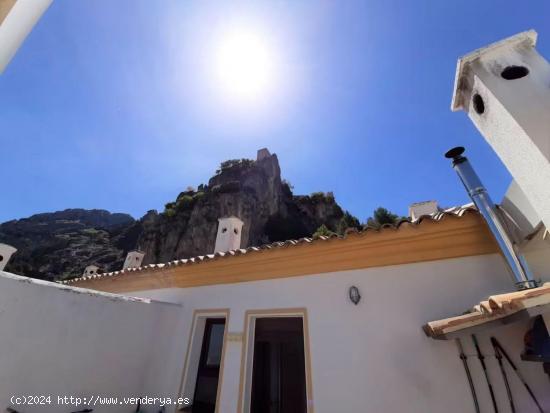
point(90, 270)
point(133, 260)
point(418, 209)
point(229, 234)
point(505, 89)
point(6, 251)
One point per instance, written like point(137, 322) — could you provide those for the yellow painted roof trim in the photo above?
point(451, 236)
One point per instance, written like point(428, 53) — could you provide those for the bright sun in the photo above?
point(245, 66)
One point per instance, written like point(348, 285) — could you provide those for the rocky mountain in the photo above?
point(59, 245)
point(250, 190)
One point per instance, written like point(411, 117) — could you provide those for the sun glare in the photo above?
point(245, 66)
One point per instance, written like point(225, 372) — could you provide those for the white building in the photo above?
point(370, 357)
point(273, 328)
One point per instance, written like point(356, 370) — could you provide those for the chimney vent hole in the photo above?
point(1, 258)
point(514, 72)
point(479, 105)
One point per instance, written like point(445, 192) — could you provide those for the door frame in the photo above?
point(194, 349)
point(247, 353)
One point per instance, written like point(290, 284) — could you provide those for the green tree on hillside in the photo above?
point(347, 221)
point(322, 231)
point(382, 216)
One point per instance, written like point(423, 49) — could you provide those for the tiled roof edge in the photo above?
point(455, 212)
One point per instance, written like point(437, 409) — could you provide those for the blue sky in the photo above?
point(112, 104)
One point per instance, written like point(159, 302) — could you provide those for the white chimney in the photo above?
point(229, 234)
point(133, 260)
point(504, 88)
point(418, 209)
point(6, 251)
point(90, 270)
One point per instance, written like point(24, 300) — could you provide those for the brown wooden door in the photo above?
point(278, 372)
point(204, 400)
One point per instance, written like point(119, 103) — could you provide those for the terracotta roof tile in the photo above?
point(454, 212)
point(495, 308)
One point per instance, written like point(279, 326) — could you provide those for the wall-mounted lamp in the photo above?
point(354, 295)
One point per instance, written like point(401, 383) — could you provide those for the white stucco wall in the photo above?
point(537, 252)
point(374, 357)
point(64, 341)
point(517, 206)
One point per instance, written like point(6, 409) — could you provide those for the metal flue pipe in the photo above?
point(479, 195)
